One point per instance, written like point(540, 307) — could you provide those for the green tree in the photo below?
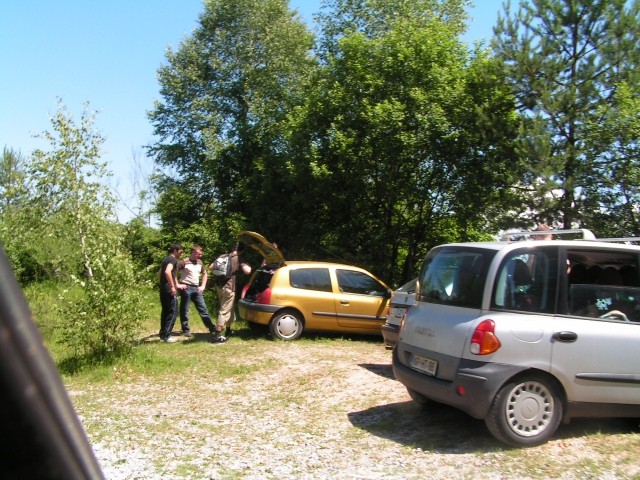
point(612, 195)
point(14, 208)
point(564, 59)
point(226, 93)
point(410, 134)
point(71, 209)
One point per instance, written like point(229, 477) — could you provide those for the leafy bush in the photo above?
point(104, 321)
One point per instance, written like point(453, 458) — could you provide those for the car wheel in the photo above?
point(526, 411)
point(286, 325)
point(418, 397)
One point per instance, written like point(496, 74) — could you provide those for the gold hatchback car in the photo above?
point(292, 296)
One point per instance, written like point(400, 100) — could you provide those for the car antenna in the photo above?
point(334, 255)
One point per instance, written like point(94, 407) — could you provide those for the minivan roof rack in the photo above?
point(583, 232)
point(620, 240)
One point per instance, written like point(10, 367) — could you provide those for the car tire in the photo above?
point(418, 397)
point(286, 325)
point(526, 411)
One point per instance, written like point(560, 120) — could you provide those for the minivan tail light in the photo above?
point(484, 340)
point(264, 296)
point(404, 317)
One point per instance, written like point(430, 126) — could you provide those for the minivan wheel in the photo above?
point(525, 412)
point(286, 325)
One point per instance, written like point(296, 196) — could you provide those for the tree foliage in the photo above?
point(14, 213)
point(392, 138)
point(71, 208)
point(226, 93)
point(407, 118)
point(567, 60)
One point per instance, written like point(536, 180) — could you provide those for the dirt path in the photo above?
point(315, 411)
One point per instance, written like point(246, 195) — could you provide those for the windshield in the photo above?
point(454, 276)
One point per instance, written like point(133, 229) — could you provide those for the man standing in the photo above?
point(168, 292)
point(227, 292)
point(194, 277)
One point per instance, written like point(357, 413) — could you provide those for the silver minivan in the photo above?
point(525, 333)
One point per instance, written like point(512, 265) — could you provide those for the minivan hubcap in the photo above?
point(529, 409)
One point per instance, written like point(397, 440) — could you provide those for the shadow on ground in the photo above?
point(443, 429)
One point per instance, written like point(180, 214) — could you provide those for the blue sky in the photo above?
point(106, 53)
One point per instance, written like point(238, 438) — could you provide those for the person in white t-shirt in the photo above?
point(193, 276)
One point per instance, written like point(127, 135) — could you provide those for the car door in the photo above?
point(597, 360)
point(595, 342)
point(312, 294)
point(361, 301)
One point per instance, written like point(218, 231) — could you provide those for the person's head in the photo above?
point(176, 250)
point(543, 228)
point(239, 247)
point(196, 252)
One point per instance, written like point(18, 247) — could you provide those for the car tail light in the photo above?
point(264, 296)
point(245, 289)
point(484, 340)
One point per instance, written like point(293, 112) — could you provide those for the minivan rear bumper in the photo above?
point(472, 390)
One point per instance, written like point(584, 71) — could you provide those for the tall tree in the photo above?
point(226, 93)
point(565, 59)
point(410, 133)
point(612, 195)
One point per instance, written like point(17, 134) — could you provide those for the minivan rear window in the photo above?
point(454, 276)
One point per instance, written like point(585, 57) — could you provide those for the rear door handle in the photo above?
point(344, 302)
point(565, 336)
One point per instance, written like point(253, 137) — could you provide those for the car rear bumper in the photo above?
point(472, 390)
point(256, 312)
point(390, 334)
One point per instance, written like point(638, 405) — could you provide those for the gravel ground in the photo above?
point(315, 411)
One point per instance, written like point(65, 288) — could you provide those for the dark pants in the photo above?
point(193, 294)
point(168, 314)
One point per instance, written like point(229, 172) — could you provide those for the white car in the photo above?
point(401, 300)
point(524, 334)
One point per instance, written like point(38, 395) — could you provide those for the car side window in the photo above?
point(527, 281)
point(350, 281)
point(311, 279)
point(603, 286)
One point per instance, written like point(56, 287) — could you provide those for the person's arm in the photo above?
point(246, 269)
point(203, 282)
point(180, 268)
point(168, 273)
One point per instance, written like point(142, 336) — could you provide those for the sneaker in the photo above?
point(228, 332)
point(219, 339)
point(169, 340)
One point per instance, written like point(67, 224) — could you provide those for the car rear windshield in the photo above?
point(454, 276)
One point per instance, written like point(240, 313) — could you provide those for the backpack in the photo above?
point(221, 267)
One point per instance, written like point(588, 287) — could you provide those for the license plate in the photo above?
point(397, 312)
point(424, 364)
